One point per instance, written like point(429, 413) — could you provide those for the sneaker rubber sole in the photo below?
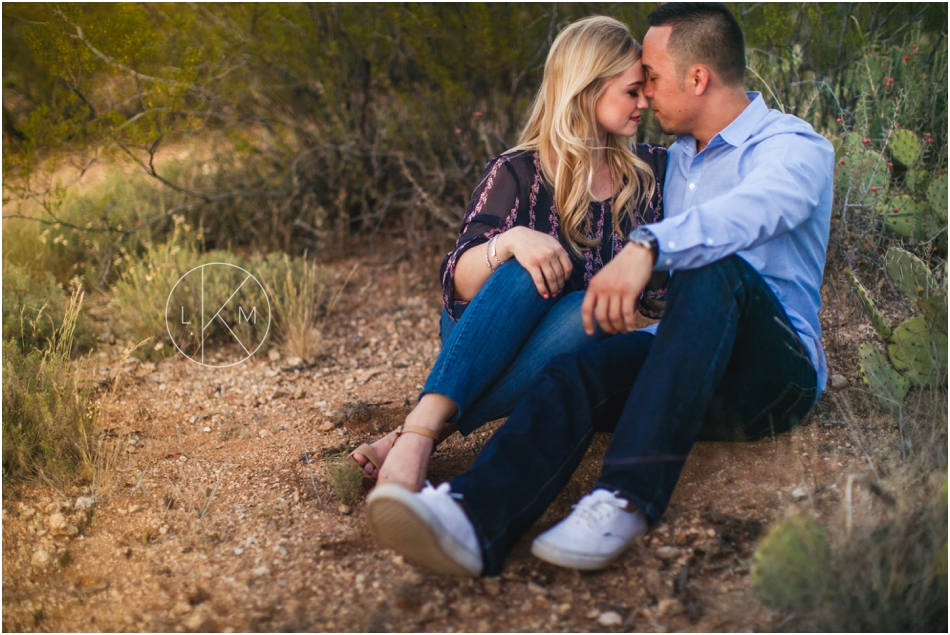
point(398, 520)
point(572, 559)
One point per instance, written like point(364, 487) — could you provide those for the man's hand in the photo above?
point(612, 294)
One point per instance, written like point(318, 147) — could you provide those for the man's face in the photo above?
point(672, 103)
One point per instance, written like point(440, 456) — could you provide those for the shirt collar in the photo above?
point(742, 127)
point(736, 133)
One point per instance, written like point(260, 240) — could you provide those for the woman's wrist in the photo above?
point(503, 244)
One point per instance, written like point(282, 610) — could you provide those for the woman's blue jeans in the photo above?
point(494, 354)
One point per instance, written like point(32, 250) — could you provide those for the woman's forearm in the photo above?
point(471, 272)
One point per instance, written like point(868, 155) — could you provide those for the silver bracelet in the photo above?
point(494, 246)
point(487, 261)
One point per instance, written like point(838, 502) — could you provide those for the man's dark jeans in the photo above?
point(725, 364)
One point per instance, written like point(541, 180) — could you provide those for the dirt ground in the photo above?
point(211, 519)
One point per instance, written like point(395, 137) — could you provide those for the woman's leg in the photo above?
point(560, 331)
point(475, 352)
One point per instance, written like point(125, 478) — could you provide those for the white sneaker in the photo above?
point(428, 528)
point(594, 535)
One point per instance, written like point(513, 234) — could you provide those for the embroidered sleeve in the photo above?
point(492, 209)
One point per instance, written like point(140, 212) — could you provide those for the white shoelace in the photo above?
point(598, 506)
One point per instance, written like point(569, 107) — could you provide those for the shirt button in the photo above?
point(692, 186)
point(669, 261)
point(709, 241)
point(671, 245)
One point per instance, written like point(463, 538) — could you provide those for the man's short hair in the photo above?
point(705, 33)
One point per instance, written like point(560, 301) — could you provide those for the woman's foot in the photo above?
point(430, 413)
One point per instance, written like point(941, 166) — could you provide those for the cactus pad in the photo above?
point(869, 308)
point(916, 181)
point(791, 568)
point(904, 147)
point(901, 215)
point(937, 197)
point(910, 274)
point(887, 385)
point(863, 170)
point(919, 352)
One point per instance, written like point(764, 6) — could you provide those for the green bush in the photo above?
point(48, 414)
point(34, 308)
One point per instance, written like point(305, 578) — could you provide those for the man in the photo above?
point(737, 355)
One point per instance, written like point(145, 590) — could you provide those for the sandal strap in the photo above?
point(426, 432)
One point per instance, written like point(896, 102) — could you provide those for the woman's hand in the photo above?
point(541, 255)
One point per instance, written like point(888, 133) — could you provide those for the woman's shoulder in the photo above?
point(649, 151)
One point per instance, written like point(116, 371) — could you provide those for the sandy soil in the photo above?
point(209, 519)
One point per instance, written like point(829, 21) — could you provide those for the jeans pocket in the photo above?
point(782, 414)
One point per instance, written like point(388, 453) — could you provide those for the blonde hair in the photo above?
point(562, 126)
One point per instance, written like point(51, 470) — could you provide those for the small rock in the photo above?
point(199, 622)
point(85, 502)
point(669, 607)
point(838, 381)
point(427, 612)
point(273, 355)
point(537, 589)
point(26, 512)
point(541, 602)
point(668, 553)
point(413, 578)
point(564, 609)
point(293, 362)
point(260, 571)
point(56, 522)
point(300, 393)
point(344, 509)
point(593, 614)
point(799, 493)
point(263, 433)
point(492, 586)
point(40, 558)
point(180, 609)
point(206, 429)
point(327, 426)
point(238, 551)
point(608, 619)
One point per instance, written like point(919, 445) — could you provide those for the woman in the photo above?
point(545, 217)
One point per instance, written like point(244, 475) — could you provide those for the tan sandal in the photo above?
point(372, 457)
point(401, 430)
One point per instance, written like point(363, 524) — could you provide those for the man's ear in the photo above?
point(698, 79)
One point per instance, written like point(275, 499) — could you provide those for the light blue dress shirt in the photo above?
point(762, 189)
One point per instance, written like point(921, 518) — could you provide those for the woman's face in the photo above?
point(618, 110)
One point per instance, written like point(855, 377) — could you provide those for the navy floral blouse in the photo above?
point(512, 192)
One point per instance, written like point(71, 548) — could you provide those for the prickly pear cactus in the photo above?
point(791, 568)
point(904, 147)
point(919, 352)
point(901, 215)
point(916, 181)
point(863, 177)
point(910, 274)
point(937, 197)
point(887, 385)
point(869, 307)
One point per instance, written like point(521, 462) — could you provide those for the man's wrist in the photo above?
point(644, 238)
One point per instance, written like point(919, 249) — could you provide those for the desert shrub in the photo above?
point(165, 273)
point(295, 287)
point(34, 308)
point(48, 413)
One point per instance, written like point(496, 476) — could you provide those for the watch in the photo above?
point(645, 238)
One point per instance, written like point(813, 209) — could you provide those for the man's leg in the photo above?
point(533, 455)
point(726, 364)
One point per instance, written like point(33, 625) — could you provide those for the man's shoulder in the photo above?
point(790, 129)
